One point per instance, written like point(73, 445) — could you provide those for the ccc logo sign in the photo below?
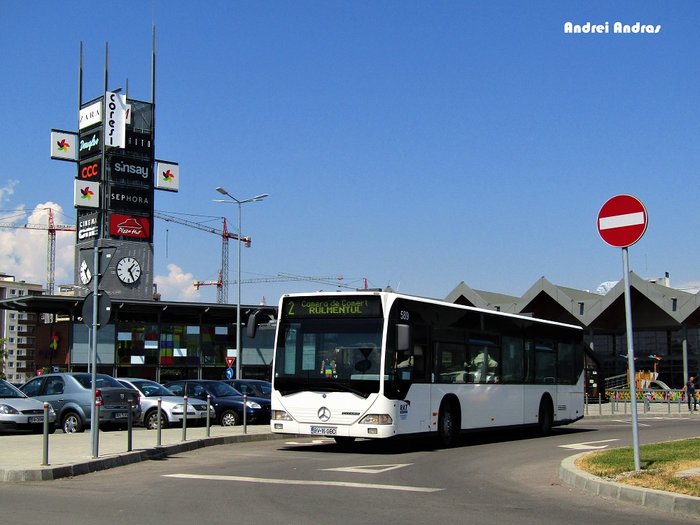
point(88, 171)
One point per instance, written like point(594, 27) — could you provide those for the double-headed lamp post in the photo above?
point(239, 202)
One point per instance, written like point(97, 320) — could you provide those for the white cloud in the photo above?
point(177, 285)
point(7, 191)
point(23, 251)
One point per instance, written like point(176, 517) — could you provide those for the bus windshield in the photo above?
point(329, 355)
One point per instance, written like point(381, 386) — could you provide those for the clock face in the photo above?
point(128, 270)
point(85, 273)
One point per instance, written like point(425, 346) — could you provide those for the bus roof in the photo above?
point(388, 296)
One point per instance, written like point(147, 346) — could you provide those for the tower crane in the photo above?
point(222, 283)
point(283, 277)
point(51, 228)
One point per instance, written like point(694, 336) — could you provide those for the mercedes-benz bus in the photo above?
point(376, 364)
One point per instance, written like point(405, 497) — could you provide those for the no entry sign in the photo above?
point(622, 221)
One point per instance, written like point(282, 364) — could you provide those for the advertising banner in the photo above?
point(128, 198)
point(90, 115)
point(129, 226)
point(64, 145)
point(90, 144)
point(90, 170)
point(139, 143)
point(88, 225)
point(167, 175)
point(115, 120)
point(125, 169)
point(86, 194)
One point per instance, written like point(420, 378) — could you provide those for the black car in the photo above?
point(251, 387)
point(226, 400)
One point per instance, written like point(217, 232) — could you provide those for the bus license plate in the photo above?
point(36, 419)
point(325, 431)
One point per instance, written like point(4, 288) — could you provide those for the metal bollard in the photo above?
point(600, 404)
point(129, 428)
point(96, 436)
point(208, 415)
point(158, 434)
point(45, 461)
point(585, 403)
point(245, 413)
point(184, 421)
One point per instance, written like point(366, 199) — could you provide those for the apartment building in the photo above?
point(17, 331)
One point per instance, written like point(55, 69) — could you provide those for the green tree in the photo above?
point(3, 354)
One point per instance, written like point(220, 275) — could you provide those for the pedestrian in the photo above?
point(689, 390)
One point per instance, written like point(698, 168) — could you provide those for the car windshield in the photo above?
point(101, 381)
point(222, 389)
point(152, 389)
point(9, 391)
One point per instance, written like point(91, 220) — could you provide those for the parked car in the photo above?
point(70, 395)
point(251, 387)
point(172, 407)
point(17, 411)
point(226, 400)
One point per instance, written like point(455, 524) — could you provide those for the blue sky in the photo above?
point(414, 144)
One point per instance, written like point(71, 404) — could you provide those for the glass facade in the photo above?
point(169, 351)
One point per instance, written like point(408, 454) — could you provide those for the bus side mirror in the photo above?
point(252, 324)
point(403, 337)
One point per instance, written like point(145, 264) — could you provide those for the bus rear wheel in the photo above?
point(545, 416)
point(448, 424)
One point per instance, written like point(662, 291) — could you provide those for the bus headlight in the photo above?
point(280, 415)
point(376, 419)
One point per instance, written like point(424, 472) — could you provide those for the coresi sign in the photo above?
point(115, 120)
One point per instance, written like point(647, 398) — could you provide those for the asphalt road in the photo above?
point(491, 478)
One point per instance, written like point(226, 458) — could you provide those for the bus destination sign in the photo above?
point(333, 307)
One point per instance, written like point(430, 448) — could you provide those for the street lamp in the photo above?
point(239, 202)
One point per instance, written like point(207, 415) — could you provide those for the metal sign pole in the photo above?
point(630, 360)
point(94, 423)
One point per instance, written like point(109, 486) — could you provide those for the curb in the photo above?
point(125, 458)
point(679, 504)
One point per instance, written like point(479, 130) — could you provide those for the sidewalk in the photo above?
point(71, 454)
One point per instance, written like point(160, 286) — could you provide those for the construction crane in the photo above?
point(222, 283)
point(282, 277)
point(51, 228)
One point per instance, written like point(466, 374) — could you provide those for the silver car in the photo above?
point(171, 407)
point(70, 394)
point(17, 411)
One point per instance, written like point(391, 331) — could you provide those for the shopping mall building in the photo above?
point(164, 340)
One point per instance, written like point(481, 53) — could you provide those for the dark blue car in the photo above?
point(226, 400)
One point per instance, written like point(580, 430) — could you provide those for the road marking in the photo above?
point(588, 445)
point(245, 479)
point(369, 469)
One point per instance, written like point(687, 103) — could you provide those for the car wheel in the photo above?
point(229, 419)
point(71, 423)
point(151, 420)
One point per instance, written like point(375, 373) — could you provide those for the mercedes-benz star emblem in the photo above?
point(324, 414)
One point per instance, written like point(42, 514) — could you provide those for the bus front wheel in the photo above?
point(448, 424)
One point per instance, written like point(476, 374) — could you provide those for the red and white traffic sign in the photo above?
point(230, 361)
point(622, 221)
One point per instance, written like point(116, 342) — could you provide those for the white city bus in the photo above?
point(379, 364)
